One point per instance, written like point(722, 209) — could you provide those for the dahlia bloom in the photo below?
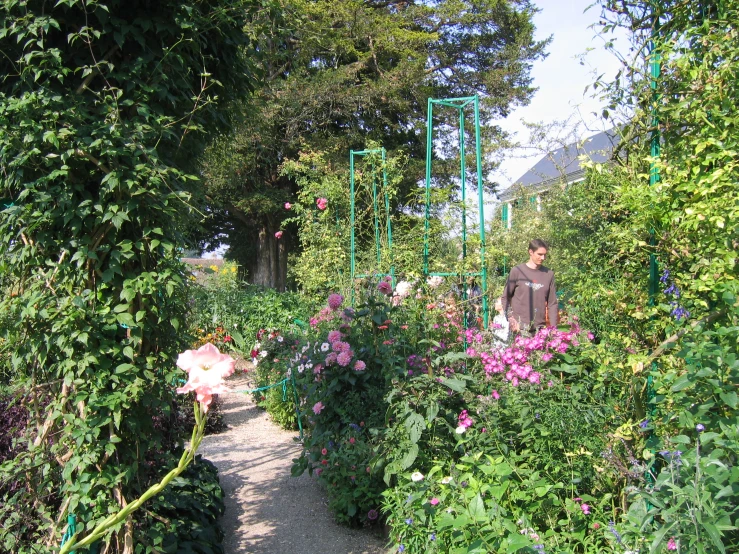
point(335, 301)
point(322, 203)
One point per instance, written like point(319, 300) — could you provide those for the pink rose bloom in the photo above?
point(585, 509)
point(206, 368)
point(434, 501)
point(278, 235)
point(317, 407)
point(322, 203)
point(343, 359)
point(335, 301)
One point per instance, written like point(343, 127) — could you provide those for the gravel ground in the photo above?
point(267, 510)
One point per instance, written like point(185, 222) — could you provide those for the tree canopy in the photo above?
point(340, 74)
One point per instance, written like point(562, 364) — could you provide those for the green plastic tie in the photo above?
point(71, 529)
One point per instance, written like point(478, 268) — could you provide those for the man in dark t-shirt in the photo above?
point(530, 291)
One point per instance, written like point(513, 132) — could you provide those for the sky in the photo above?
point(560, 78)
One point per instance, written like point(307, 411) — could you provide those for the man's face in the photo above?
point(538, 256)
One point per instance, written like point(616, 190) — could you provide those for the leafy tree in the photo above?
point(102, 105)
point(341, 74)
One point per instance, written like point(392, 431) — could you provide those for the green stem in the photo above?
point(187, 456)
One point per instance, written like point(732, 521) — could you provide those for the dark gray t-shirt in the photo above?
point(527, 294)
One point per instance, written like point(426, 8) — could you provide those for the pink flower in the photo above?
point(335, 301)
point(671, 544)
point(359, 365)
point(546, 357)
point(344, 359)
point(465, 420)
point(317, 407)
point(496, 395)
point(385, 288)
point(322, 203)
point(591, 336)
point(278, 235)
point(340, 346)
point(434, 501)
point(324, 451)
point(331, 358)
point(334, 336)
point(585, 509)
point(352, 440)
point(206, 368)
point(288, 205)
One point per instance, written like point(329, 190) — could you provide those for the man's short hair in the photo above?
point(535, 244)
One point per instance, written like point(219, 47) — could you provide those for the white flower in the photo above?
point(460, 430)
point(289, 372)
point(263, 354)
point(280, 339)
point(446, 480)
point(301, 368)
point(309, 365)
point(325, 346)
point(416, 476)
point(304, 349)
point(236, 325)
point(403, 289)
point(435, 281)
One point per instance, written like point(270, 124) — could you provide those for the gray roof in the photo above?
point(563, 165)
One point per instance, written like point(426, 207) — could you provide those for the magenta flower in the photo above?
point(334, 336)
point(344, 359)
point(317, 407)
point(322, 203)
point(671, 544)
point(278, 234)
point(359, 365)
point(496, 395)
point(340, 346)
point(288, 205)
point(335, 301)
point(434, 501)
point(465, 420)
point(206, 368)
point(331, 358)
point(585, 509)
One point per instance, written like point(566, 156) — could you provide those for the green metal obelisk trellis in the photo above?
point(458, 104)
point(376, 211)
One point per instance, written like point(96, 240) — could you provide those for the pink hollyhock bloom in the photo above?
point(206, 368)
point(322, 203)
point(334, 336)
point(359, 365)
point(585, 509)
point(344, 359)
point(335, 301)
point(317, 407)
point(288, 205)
point(278, 235)
point(671, 544)
point(496, 395)
point(434, 501)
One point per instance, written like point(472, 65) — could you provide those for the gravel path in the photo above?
point(267, 510)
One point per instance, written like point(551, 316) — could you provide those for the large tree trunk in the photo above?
point(269, 266)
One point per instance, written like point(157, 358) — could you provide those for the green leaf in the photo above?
point(454, 384)
point(476, 508)
point(409, 457)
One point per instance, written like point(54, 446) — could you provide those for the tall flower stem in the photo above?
point(187, 457)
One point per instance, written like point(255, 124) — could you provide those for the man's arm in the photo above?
point(508, 290)
point(553, 304)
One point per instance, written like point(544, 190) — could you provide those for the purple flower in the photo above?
point(385, 288)
point(372, 515)
point(409, 521)
point(700, 428)
point(644, 424)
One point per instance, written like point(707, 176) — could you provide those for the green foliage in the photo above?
point(184, 518)
point(101, 109)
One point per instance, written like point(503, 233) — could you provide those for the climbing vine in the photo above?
point(102, 106)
